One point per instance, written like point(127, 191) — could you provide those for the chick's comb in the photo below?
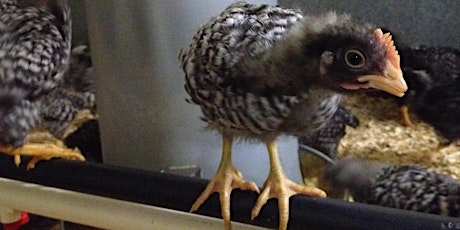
point(392, 53)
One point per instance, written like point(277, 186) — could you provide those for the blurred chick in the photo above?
point(260, 71)
point(59, 108)
point(432, 74)
point(79, 79)
point(411, 187)
point(441, 109)
point(35, 41)
point(79, 75)
point(327, 138)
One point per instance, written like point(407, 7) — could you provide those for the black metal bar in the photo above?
point(176, 192)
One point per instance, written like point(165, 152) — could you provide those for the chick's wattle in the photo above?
point(259, 71)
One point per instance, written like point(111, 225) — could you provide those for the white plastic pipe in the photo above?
point(9, 215)
point(100, 212)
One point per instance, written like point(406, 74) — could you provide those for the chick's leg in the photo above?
point(40, 152)
point(406, 116)
point(226, 179)
point(279, 186)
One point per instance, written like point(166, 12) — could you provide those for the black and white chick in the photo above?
point(327, 138)
point(80, 76)
point(410, 187)
point(35, 40)
point(433, 77)
point(258, 72)
point(80, 80)
point(441, 109)
point(59, 108)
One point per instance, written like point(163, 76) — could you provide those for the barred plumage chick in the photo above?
point(80, 75)
point(260, 71)
point(59, 107)
point(444, 62)
point(411, 187)
point(440, 107)
point(35, 43)
point(327, 138)
point(433, 74)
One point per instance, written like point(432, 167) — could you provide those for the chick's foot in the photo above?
point(226, 179)
point(279, 186)
point(40, 152)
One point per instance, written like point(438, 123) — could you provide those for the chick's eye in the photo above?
point(354, 59)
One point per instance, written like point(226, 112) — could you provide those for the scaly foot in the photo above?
point(226, 179)
point(41, 152)
point(279, 186)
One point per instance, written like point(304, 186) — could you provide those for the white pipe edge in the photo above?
point(9, 215)
point(98, 211)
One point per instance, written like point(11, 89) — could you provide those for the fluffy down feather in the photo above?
point(411, 187)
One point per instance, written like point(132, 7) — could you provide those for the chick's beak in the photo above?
point(390, 81)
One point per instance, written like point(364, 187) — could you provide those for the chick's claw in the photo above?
point(226, 179)
point(41, 152)
point(282, 188)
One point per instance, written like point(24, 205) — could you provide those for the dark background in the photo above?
point(413, 22)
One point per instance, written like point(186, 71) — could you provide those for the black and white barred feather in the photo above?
point(59, 108)
point(35, 43)
point(218, 75)
point(327, 138)
point(79, 75)
point(34, 46)
point(410, 187)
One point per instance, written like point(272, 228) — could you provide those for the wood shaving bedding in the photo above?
point(382, 136)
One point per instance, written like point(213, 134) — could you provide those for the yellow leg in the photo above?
point(279, 186)
point(226, 179)
point(41, 152)
point(406, 116)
